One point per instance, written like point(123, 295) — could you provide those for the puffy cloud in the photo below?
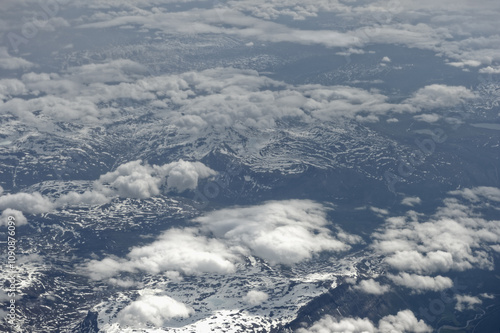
point(120, 70)
point(79, 108)
point(36, 203)
point(243, 98)
point(371, 286)
point(11, 87)
point(79, 94)
point(411, 201)
point(152, 310)
point(279, 231)
point(195, 101)
point(475, 194)
point(439, 96)
point(466, 302)
point(103, 269)
point(137, 180)
point(182, 175)
point(89, 198)
point(255, 297)
point(490, 70)
point(33, 203)
point(329, 324)
point(433, 261)
point(403, 322)
point(427, 117)
point(185, 251)
point(11, 63)
point(328, 103)
point(16, 214)
point(454, 238)
point(131, 180)
point(422, 283)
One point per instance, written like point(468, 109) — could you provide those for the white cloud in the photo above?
point(131, 180)
point(79, 108)
point(379, 211)
point(152, 310)
point(403, 322)
point(255, 297)
point(371, 286)
point(462, 64)
point(427, 117)
point(182, 175)
point(411, 201)
point(36, 203)
point(201, 21)
point(185, 251)
point(12, 63)
point(490, 70)
point(464, 34)
point(429, 27)
point(87, 198)
point(466, 302)
point(279, 231)
point(329, 324)
point(328, 103)
point(33, 203)
point(421, 283)
point(475, 194)
point(439, 96)
point(433, 261)
point(11, 87)
point(18, 216)
point(242, 98)
point(137, 180)
point(454, 238)
point(386, 59)
point(119, 70)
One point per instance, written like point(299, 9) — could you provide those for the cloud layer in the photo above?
point(196, 101)
point(455, 238)
point(281, 232)
point(403, 322)
point(460, 32)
